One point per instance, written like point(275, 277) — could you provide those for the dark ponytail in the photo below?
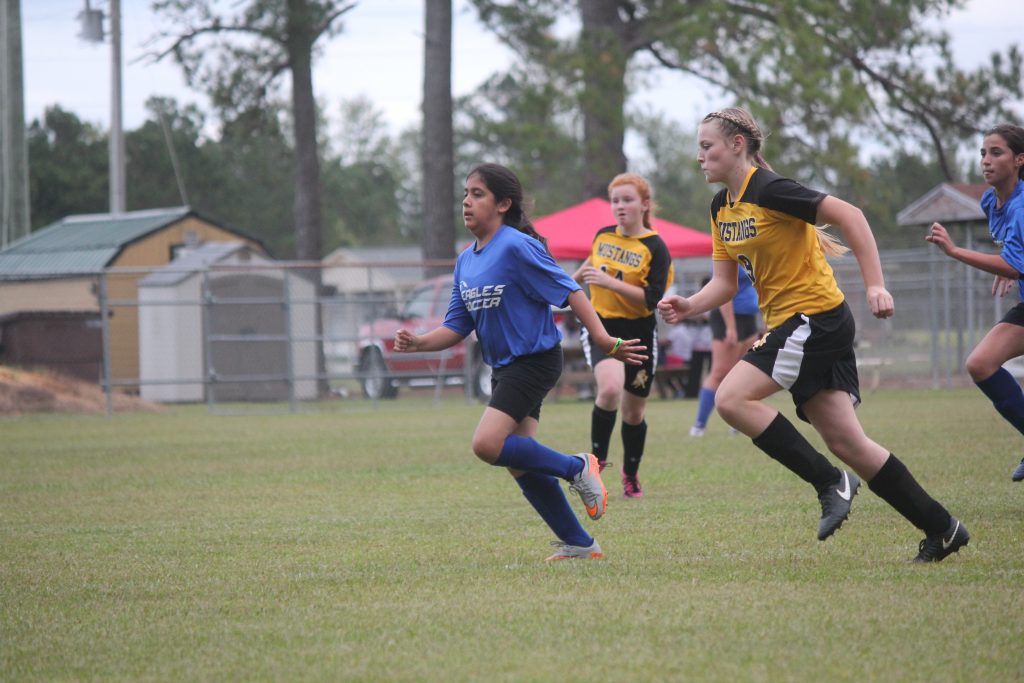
point(504, 184)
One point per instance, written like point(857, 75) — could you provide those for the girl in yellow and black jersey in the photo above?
point(770, 233)
point(766, 223)
point(628, 271)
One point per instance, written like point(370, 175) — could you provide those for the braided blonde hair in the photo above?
point(736, 121)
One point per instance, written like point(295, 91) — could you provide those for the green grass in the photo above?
point(369, 544)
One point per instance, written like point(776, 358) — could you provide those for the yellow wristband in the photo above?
point(618, 343)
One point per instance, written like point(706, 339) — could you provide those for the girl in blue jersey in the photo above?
point(1002, 164)
point(734, 328)
point(504, 286)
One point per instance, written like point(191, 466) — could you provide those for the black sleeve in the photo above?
point(657, 275)
point(716, 205)
point(789, 196)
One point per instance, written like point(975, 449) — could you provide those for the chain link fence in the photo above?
point(279, 336)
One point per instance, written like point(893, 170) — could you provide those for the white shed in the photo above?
point(224, 314)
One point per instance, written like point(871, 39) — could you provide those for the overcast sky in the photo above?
point(379, 55)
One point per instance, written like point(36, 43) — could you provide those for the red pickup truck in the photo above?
point(382, 371)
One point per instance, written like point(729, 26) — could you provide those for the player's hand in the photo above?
point(730, 336)
point(674, 308)
point(630, 351)
point(406, 340)
point(1001, 286)
point(595, 276)
point(881, 303)
point(939, 236)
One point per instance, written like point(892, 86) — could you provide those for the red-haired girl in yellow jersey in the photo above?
point(628, 271)
point(766, 223)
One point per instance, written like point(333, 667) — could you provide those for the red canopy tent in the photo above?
point(570, 232)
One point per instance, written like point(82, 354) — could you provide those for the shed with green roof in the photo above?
point(58, 268)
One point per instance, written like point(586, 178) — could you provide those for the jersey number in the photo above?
point(618, 273)
point(747, 266)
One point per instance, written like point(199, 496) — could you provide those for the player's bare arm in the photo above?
point(438, 339)
point(857, 234)
point(990, 263)
point(720, 289)
point(627, 350)
point(596, 277)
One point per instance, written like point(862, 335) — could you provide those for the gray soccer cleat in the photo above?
point(1018, 473)
point(575, 552)
point(589, 486)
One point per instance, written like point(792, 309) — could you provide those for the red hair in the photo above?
point(643, 188)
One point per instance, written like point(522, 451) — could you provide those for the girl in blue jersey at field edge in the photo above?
point(734, 328)
point(1002, 164)
point(504, 286)
point(767, 223)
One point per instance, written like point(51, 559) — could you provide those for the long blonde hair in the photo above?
point(736, 121)
point(643, 188)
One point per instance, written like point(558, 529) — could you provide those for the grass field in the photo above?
point(371, 545)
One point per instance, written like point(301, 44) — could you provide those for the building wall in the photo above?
point(155, 250)
point(69, 343)
point(302, 320)
point(72, 294)
point(171, 342)
point(173, 320)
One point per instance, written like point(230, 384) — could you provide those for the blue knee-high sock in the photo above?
point(529, 455)
point(1006, 396)
point(548, 499)
point(705, 405)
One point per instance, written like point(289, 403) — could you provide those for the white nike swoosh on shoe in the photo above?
point(945, 543)
point(844, 492)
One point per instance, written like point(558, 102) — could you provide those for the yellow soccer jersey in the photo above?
point(770, 231)
point(642, 260)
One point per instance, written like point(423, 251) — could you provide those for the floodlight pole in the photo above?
point(14, 185)
point(117, 186)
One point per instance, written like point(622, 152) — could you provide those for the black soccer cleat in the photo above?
point(936, 548)
point(1018, 473)
point(835, 503)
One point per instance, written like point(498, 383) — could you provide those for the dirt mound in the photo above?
point(23, 392)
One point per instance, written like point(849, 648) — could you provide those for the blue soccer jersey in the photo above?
point(505, 292)
point(745, 301)
point(1006, 225)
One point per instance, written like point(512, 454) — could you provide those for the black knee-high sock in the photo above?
point(896, 486)
point(633, 439)
point(602, 422)
point(782, 442)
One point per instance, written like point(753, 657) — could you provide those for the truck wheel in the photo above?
point(374, 376)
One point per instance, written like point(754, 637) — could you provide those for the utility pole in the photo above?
point(14, 200)
point(92, 31)
point(117, 186)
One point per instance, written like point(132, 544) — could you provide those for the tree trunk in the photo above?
point(604, 94)
point(306, 211)
point(308, 237)
point(438, 236)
